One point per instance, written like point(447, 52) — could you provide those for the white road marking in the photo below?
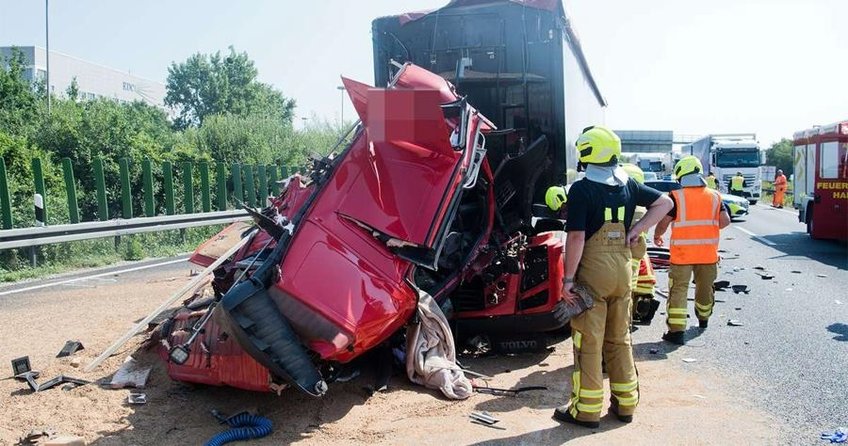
point(755, 236)
point(94, 276)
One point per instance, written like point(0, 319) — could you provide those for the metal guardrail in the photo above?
point(26, 237)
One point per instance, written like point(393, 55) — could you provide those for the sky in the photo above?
point(771, 67)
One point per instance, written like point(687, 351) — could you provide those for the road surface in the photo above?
point(780, 377)
point(791, 355)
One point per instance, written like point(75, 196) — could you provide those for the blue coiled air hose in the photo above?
point(243, 426)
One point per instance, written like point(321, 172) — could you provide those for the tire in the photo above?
point(809, 220)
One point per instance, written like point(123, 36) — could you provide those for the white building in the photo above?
point(94, 80)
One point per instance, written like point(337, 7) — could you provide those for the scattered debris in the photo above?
point(243, 426)
point(789, 289)
point(36, 436)
point(70, 348)
point(689, 360)
point(130, 375)
point(75, 362)
point(20, 366)
point(730, 238)
point(30, 378)
point(721, 285)
point(734, 323)
point(821, 275)
point(701, 397)
point(838, 302)
point(653, 351)
point(137, 398)
point(795, 271)
point(484, 417)
point(738, 308)
point(760, 267)
point(507, 392)
point(839, 436)
point(765, 276)
point(741, 289)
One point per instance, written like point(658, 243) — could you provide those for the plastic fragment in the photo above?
point(839, 436)
point(821, 275)
point(734, 323)
point(689, 360)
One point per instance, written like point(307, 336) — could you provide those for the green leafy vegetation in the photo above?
point(222, 113)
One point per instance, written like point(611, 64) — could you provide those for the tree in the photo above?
point(18, 104)
point(209, 84)
point(780, 155)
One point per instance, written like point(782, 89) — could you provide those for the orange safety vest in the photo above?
point(695, 231)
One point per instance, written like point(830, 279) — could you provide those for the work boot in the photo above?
point(702, 323)
point(562, 414)
point(675, 337)
point(623, 418)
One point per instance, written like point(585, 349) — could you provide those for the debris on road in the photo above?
point(838, 302)
point(760, 267)
point(137, 398)
point(507, 392)
point(734, 323)
point(20, 366)
point(795, 271)
point(789, 289)
point(821, 275)
point(765, 276)
point(243, 426)
point(653, 351)
point(720, 285)
point(741, 289)
point(30, 378)
point(483, 417)
point(35, 436)
point(131, 374)
point(688, 360)
point(70, 348)
point(839, 436)
point(738, 308)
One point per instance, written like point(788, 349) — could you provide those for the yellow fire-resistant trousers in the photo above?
point(678, 284)
point(603, 332)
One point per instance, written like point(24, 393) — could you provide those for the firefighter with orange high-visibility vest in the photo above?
point(597, 257)
point(696, 219)
point(643, 280)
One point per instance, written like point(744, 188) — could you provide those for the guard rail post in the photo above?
point(100, 186)
point(205, 193)
point(147, 183)
point(168, 180)
point(70, 190)
point(221, 187)
point(5, 199)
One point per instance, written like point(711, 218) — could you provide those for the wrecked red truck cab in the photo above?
point(335, 269)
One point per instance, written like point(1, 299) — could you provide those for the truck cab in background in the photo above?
point(821, 180)
point(725, 154)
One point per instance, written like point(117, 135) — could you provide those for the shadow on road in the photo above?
point(799, 244)
point(841, 331)
point(556, 435)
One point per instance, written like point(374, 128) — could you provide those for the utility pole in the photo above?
point(341, 90)
point(47, 44)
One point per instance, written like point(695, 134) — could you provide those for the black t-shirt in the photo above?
point(588, 199)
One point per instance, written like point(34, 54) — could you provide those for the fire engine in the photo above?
point(821, 180)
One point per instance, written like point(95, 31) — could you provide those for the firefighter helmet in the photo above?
point(598, 145)
point(688, 165)
point(633, 171)
point(555, 197)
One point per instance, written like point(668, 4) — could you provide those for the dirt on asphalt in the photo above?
point(680, 402)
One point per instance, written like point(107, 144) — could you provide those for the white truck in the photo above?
point(726, 154)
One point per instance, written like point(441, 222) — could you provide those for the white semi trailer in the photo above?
point(726, 154)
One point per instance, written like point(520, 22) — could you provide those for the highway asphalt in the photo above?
point(790, 354)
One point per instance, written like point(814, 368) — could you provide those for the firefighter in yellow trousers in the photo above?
point(696, 220)
point(643, 280)
point(597, 257)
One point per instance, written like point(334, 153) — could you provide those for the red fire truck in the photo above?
point(821, 180)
